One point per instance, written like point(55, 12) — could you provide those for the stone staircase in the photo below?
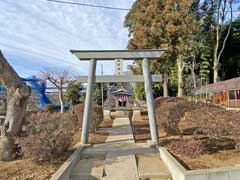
point(129, 167)
point(120, 158)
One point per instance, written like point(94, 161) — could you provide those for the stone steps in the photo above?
point(120, 158)
point(151, 167)
point(120, 167)
point(88, 168)
point(129, 167)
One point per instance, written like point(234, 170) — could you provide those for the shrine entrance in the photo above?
point(121, 98)
point(93, 56)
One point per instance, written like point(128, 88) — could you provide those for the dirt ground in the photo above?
point(225, 158)
point(141, 130)
point(25, 169)
point(98, 136)
point(222, 158)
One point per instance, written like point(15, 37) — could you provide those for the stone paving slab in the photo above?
point(119, 164)
point(120, 167)
point(89, 168)
point(121, 130)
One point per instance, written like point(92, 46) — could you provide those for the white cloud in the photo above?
point(38, 33)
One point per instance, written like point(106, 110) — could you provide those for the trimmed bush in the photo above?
point(49, 135)
point(169, 112)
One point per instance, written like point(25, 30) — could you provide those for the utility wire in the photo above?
point(115, 8)
point(89, 5)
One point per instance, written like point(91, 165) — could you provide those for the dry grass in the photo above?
point(25, 169)
point(98, 136)
point(222, 158)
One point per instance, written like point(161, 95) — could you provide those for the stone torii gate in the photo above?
point(144, 55)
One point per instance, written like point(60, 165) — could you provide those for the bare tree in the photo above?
point(181, 65)
point(59, 78)
point(224, 11)
point(17, 98)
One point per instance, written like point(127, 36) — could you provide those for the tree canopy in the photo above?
point(195, 33)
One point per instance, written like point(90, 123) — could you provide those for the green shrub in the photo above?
point(49, 135)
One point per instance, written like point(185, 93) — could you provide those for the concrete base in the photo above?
point(151, 143)
point(84, 145)
point(7, 149)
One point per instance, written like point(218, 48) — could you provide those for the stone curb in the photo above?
point(180, 173)
point(63, 173)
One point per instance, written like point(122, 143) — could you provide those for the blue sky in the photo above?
point(36, 34)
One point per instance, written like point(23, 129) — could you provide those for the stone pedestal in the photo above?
point(136, 114)
point(7, 149)
point(107, 114)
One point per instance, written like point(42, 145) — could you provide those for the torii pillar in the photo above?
point(144, 55)
point(150, 102)
point(88, 102)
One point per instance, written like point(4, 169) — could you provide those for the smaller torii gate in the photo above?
point(119, 78)
point(144, 55)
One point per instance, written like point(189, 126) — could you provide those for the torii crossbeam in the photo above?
point(144, 55)
point(119, 79)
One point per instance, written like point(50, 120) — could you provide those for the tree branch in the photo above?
point(228, 32)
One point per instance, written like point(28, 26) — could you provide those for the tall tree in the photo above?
point(142, 23)
point(230, 64)
point(169, 24)
point(179, 27)
point(224, 12)
point(17, 98)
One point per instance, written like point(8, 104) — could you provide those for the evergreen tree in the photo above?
point(73, 92)
point(97, 97)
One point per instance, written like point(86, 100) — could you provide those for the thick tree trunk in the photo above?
point(17, 97)
point(61, 100)
point(180, 77)
point(165, 85)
